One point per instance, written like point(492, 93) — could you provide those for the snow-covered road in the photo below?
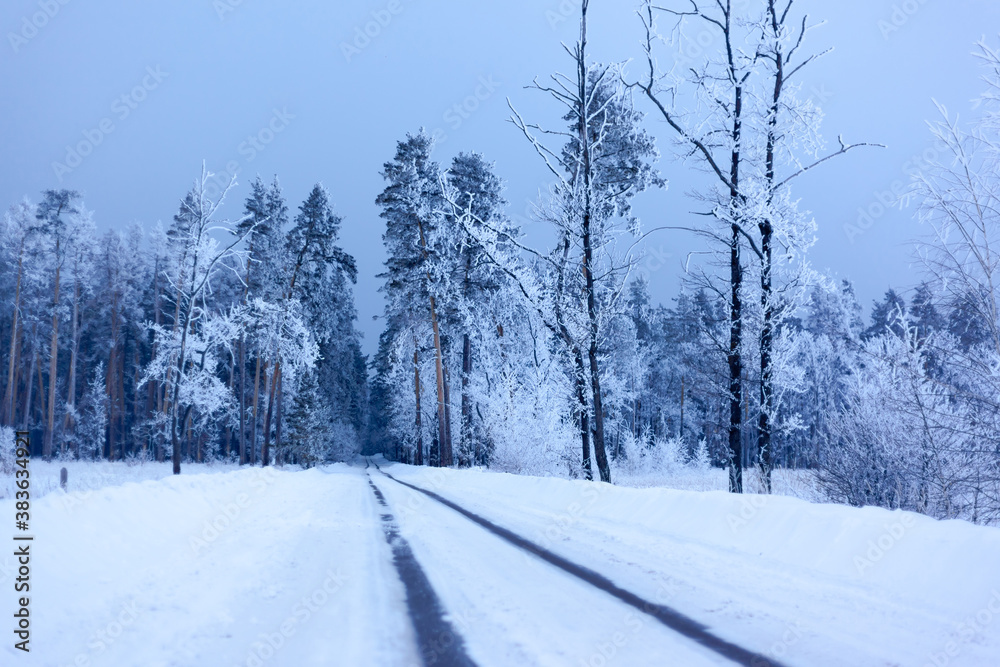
point(294, 568)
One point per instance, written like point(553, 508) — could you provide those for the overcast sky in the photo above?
point(289, 89)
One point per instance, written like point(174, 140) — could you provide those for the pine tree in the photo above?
point(477, 192)
point(308, 435)
point(886, 316)
point(320, 277)
point(56, 214)
point(265, 217)
point(417, 269)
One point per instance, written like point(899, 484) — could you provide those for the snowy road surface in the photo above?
point(307, 568)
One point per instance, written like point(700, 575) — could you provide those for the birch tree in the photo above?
point(197, 259)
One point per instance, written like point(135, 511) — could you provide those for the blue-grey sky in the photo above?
point(269, 87)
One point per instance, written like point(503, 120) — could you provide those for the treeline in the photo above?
point(554, 360)
point(208, 339)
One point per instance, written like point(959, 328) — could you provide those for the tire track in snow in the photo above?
point(438, 642)
point(669, 617)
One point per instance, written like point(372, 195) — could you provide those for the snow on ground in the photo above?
point(85, 476)
point(245, 568)
point(793, 483)
point(803, 583)
point(259, 568)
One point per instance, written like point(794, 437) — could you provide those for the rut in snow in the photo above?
point(439, 644)
point(669, 617)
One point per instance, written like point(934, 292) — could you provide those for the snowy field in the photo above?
point(89, 476)
point(228, 567)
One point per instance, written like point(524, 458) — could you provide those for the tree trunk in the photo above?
point(735, 360)
point(279, 393)
point(232, 385)
point(137, 396)
point(764, 446)
point(10, 409)
point(465, 457)
point(444, 451)
point(447, 413)
point(112, 385)
point(256, 420)
point(28, 381)
point(735, 369)
point(50, 422)
point(109, 391)
point(243, 402)
point(419, 457)
point(174, 435)
point(69, 424)
point(588, 256)
point(265, 452)
point(41, 393)
point(584, 408)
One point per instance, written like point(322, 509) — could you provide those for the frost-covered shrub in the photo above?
point(912, 434)
point(7, 447)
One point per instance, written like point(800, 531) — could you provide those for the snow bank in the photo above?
point(86, 476)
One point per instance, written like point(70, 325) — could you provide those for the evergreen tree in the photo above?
point(418, 265)
point(886, 316)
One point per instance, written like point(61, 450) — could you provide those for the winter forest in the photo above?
point(574, 332)
point(233, 339)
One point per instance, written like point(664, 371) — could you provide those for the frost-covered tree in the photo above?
point(94, 424)
point(57, 215)
point(605, 161)
point(418, 264)
point(474, 190)
point(185, 350)
point(80, 269)
point(265, 217)
point(118, 284)
point(15, 245)
point(320, 277)
point(736, 115)
point(308, 429)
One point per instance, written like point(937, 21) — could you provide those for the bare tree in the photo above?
point(749, 127)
